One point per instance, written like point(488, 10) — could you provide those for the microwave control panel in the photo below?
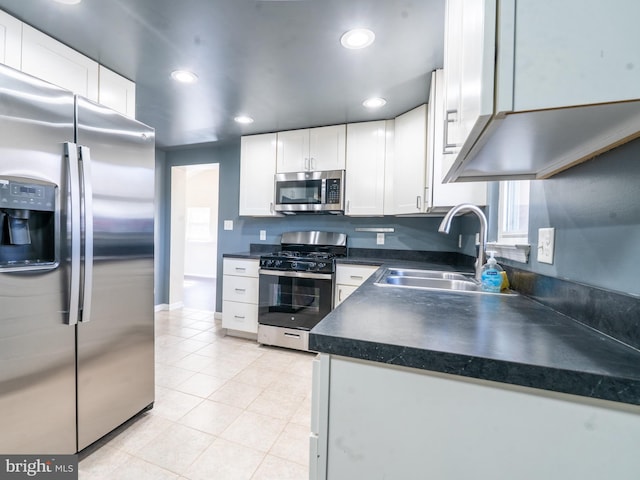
point(333, 190)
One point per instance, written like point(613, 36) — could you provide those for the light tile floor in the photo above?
point(226, 409)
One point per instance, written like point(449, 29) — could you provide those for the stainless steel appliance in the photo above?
point(76, 268)
point(310, 192)
point(296, 287)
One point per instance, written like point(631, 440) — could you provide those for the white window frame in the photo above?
point(198, 228)
point(513, 212)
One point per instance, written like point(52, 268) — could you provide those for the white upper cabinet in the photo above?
point(442, 196)
point(50, 60)
point(257, 170)
point(407, 174)
point(312, 149)
point(562, 87)
point(117, 92)
point(10, 40)
point(364, 183)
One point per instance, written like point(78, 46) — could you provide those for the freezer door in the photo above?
point(37, 346)
point(115, 332)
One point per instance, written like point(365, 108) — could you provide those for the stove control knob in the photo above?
point(294, 265)
point(321, 265)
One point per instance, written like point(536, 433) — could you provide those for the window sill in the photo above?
point(517, 253)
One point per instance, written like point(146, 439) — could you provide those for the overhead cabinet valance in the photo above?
point(533, 87)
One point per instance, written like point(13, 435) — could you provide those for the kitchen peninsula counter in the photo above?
point(509, 339)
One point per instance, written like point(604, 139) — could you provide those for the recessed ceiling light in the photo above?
point(357, 38)
point(243, 119)
point(69, 2)
point(375, 102)
point(184, 76)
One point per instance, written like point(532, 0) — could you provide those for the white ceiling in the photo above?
point(279, 61)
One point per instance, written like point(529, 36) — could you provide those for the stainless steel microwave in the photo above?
point(310, 192)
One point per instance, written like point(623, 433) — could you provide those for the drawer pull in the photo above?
point(241, 269)
point(239, 316)
point(294, 335)
point(356, 277)
point(241, 290)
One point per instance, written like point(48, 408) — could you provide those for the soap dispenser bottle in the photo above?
point(491, 279)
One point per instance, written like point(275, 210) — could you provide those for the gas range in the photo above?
point(312, 252)
point(296, 287)
point(293, 260)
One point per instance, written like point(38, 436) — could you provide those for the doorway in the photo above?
point(194, 236)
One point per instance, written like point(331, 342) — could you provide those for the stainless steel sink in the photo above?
point(432, 280)
point(437, 274)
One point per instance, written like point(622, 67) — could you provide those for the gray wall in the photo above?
point(410, 233)
point(595, 208)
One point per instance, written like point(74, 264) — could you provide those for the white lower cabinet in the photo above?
point(240, 295)
point(372, 420)
point(349, 278)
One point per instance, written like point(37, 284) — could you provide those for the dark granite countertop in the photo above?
point(508, 339)
point(241, 255)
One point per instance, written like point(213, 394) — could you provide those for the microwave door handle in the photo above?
point(87, 191)
point(71, 155)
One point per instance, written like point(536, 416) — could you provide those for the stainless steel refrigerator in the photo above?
point(76, 268)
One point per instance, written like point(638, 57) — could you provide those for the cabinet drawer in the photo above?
point(240, 289)
point(240, 266)
point(240, 316)
point(353, 274)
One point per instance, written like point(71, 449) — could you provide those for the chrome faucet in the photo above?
point(445, 226)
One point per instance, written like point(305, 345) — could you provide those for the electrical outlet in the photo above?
point(546, 242)
point(380, 239)
point(228, 224)
point(263, 234)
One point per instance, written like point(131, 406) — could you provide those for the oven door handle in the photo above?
point(282, 273)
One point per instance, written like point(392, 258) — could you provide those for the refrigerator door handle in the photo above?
point(71, 155)
point(87, 198)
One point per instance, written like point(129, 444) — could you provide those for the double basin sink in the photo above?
point(431, 280)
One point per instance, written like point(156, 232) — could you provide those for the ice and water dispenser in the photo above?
point(29, 224)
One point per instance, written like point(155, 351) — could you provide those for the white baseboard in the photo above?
point(217, 316)
point(176, 305)
point(160, 307)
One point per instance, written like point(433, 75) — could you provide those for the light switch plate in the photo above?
point(228, 224)
point(263, 234)
point(380, 239)
point(546, 240)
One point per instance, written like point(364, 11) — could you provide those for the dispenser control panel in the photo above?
point(29, 196)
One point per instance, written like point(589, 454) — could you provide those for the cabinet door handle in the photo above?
point(419, 202)
point(446, 146)
point(339, 295)
point(270, 207)
point(312, 163)
point(348, 206)
point(307, 163)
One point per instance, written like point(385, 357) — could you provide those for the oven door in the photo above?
point(295, 300)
